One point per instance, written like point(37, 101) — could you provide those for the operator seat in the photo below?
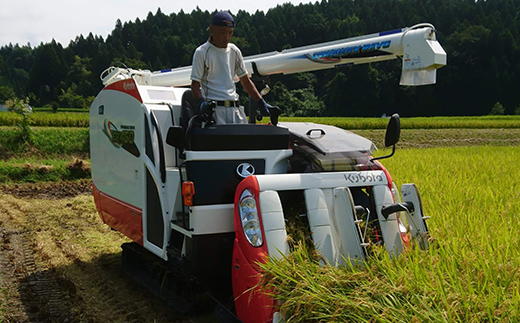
point(189, 109)
point(190, 115)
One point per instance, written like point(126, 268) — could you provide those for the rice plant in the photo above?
point(45, 119)
point(81, 119)
point(417, 122)
point(470, 273)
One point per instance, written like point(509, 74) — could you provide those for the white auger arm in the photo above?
point(418, 47)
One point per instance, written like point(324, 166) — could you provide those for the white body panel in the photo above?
point(119, 170)
point(112, 167)
point(343, 218)
point(320, 202)
point(332, 221)
point(210, 219)
point(121, 181)
point(317, 202)
point(390, 226)
point(274, 224)
point(321, 180)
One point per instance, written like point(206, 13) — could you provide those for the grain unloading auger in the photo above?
point(203, 205)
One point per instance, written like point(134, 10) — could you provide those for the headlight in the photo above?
point(249, 219)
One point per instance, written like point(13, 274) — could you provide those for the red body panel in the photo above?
point(387, 173)
point(126, 86)
point(252, 305)
point(119, 215)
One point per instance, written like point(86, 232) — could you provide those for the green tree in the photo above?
point(300, 102)
point(48, 72)
point(70, 99)
point(6, 93)
point(79, 73)
point(21, 107)
point(481, 39)
point(497, 109)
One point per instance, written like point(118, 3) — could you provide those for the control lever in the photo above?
point(209, 115)
point(398, 207)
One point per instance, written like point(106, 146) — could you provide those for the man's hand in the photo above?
point(265, 108)
point(204, 108)
point(268, 110)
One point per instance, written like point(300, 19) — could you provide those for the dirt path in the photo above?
point(60, 263)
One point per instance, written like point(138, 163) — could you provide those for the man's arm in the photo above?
point(263, 107)
point(250, 88)
point(195, 89)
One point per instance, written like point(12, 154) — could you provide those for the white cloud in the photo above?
point(36, 21)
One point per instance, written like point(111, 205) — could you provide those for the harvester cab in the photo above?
point(207, 202)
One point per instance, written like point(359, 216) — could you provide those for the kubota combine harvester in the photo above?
point(205, 204)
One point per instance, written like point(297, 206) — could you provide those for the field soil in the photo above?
point(60, 263)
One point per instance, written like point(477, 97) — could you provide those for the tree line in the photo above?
point(481, 38)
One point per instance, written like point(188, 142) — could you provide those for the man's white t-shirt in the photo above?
point(215, 69)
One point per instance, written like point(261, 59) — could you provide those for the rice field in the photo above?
point(470, 273)
point(480, 122)
point(81, 119)
point(48, 119)
point(466, 169)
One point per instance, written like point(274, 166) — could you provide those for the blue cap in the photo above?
point(223, 18)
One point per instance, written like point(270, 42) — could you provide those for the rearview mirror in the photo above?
point(393, 130)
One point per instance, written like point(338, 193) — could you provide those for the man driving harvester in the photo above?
point(215, 65)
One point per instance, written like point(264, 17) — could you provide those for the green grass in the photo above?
point(470, 274)
point(33, 170)
point(50, 157)
point(47, 141)
point(62, 141)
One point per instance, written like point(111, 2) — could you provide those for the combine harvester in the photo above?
point(203, 205)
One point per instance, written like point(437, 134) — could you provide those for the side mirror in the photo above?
point(175, 137)
point(393, 130)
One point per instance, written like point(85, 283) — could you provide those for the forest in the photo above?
point(481, 38)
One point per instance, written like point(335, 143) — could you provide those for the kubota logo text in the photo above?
point(128, 86)
point(365, 177)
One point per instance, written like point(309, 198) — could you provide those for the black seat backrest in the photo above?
point(189, 108)
point(238, 137)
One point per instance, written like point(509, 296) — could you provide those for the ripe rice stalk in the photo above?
point(469, 274)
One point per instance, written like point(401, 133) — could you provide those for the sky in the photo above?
point(36, 21)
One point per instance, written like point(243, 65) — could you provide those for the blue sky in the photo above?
point(35, 21)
